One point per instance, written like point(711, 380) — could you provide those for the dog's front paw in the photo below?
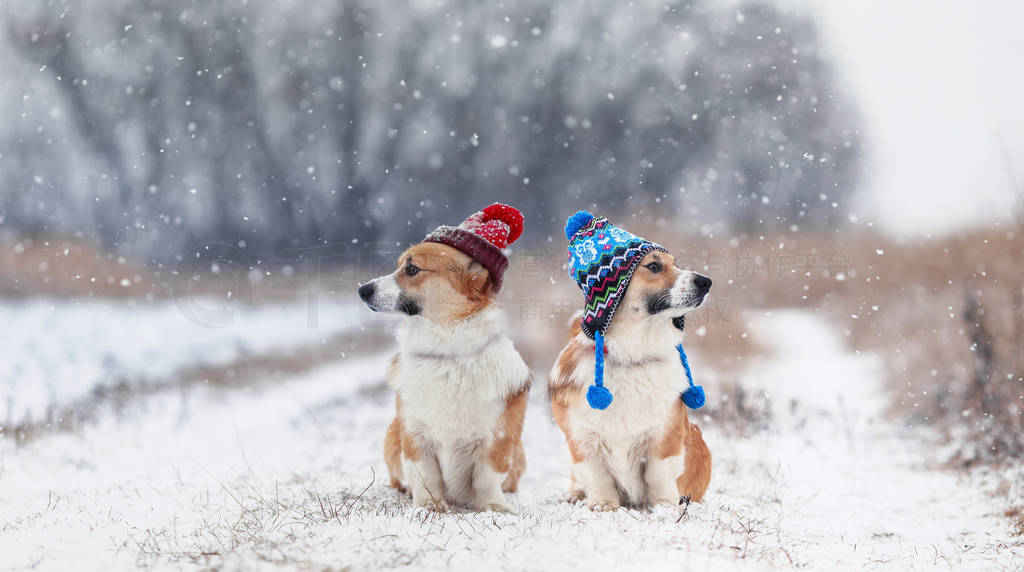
point(667, 501)
point(432, 504)
point(573, 496)
point(497, 506)
point(603, 505)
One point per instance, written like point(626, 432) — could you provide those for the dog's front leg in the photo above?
point(660, 478)
point(594, 478)
point(487, 487)
point(425, 480)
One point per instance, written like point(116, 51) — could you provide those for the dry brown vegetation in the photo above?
point(63, 266)
point(58, 266)
point(1016, 516)
point(946, 318)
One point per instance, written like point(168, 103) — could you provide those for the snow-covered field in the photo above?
point(292, 474)
point(58, 351)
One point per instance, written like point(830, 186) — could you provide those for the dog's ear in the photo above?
point(477, 269)
point(679, 322)
point(475, 282)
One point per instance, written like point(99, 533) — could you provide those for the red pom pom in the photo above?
point(508, 215)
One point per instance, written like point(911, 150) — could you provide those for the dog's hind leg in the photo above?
point(517, 465)
point(393, 453)
point(505, 454)
point(695, 478)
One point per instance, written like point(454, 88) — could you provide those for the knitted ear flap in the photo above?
point(598, 395)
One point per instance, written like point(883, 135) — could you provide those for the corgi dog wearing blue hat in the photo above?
point(621, 387)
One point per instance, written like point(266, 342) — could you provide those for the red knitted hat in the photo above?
point(483, 236)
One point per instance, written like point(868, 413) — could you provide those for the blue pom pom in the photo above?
point(576, 222)
point(599, 397)
point(693, 397)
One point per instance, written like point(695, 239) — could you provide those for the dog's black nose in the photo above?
point(703, 283)
point(366, 291)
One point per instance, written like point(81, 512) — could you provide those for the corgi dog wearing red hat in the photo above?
point(460, 385)
point(621, 387)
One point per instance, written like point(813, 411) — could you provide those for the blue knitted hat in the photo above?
point(602, 259)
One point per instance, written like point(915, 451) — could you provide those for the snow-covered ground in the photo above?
point(58, 351)
point(292, 474)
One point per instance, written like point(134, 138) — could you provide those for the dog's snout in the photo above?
point(703, 283)
point(366, 291)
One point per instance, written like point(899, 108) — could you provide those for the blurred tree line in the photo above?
point(154, 125)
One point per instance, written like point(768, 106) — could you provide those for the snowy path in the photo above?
point(58, 352)
point(293, 474)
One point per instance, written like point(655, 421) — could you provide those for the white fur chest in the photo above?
point(645, 394)
point(454, 382)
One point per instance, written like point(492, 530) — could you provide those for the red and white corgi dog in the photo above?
point(641, 449)
point(461, 386)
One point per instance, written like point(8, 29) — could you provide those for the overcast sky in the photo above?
point(935, 81)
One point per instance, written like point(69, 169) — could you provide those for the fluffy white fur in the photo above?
point(453, 382)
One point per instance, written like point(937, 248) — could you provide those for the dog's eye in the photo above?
point(654, 267)
point(411, 270)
